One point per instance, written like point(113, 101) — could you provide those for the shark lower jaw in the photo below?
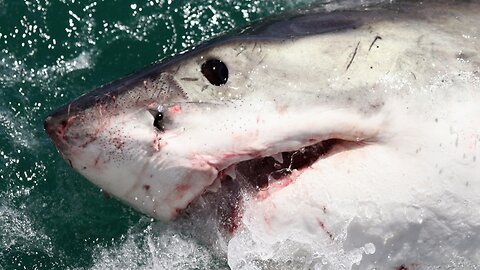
point(259, 177)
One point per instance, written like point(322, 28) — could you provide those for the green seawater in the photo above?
point(52, 51)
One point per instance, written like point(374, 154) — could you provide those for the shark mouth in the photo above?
point(259, 177)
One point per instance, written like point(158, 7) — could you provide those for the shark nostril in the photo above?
point(157, 121)
point(63, 124)
point(54, 128)
point(60, 129)
point(158, 118)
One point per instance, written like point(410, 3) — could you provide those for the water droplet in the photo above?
point(369, 248)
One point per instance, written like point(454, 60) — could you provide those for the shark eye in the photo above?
point(215, 71)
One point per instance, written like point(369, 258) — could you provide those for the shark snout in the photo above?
point(55, 127)
point(68, 125)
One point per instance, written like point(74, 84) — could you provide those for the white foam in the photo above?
point(18, 231)
point(158, 246)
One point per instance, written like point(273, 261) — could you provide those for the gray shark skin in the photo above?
point(358, 130)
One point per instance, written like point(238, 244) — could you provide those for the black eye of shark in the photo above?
point(215, 71)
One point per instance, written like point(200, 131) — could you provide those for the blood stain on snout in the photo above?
point(181, 189)
point(61, 130)
point(157, 143)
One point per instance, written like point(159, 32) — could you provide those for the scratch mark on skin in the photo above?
point(176, 71)
point(241, 48)
point(353, 56)
point(240, 52)
point(189, 79)
point(261, 60)
point(68, 111)
point(254, 46)
point(110, 95)
point(373, 42)
point(322, 226)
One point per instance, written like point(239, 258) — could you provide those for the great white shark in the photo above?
point(354, 130)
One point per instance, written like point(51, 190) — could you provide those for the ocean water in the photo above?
point(50, 53)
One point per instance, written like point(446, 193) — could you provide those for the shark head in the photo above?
point(161, 137)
